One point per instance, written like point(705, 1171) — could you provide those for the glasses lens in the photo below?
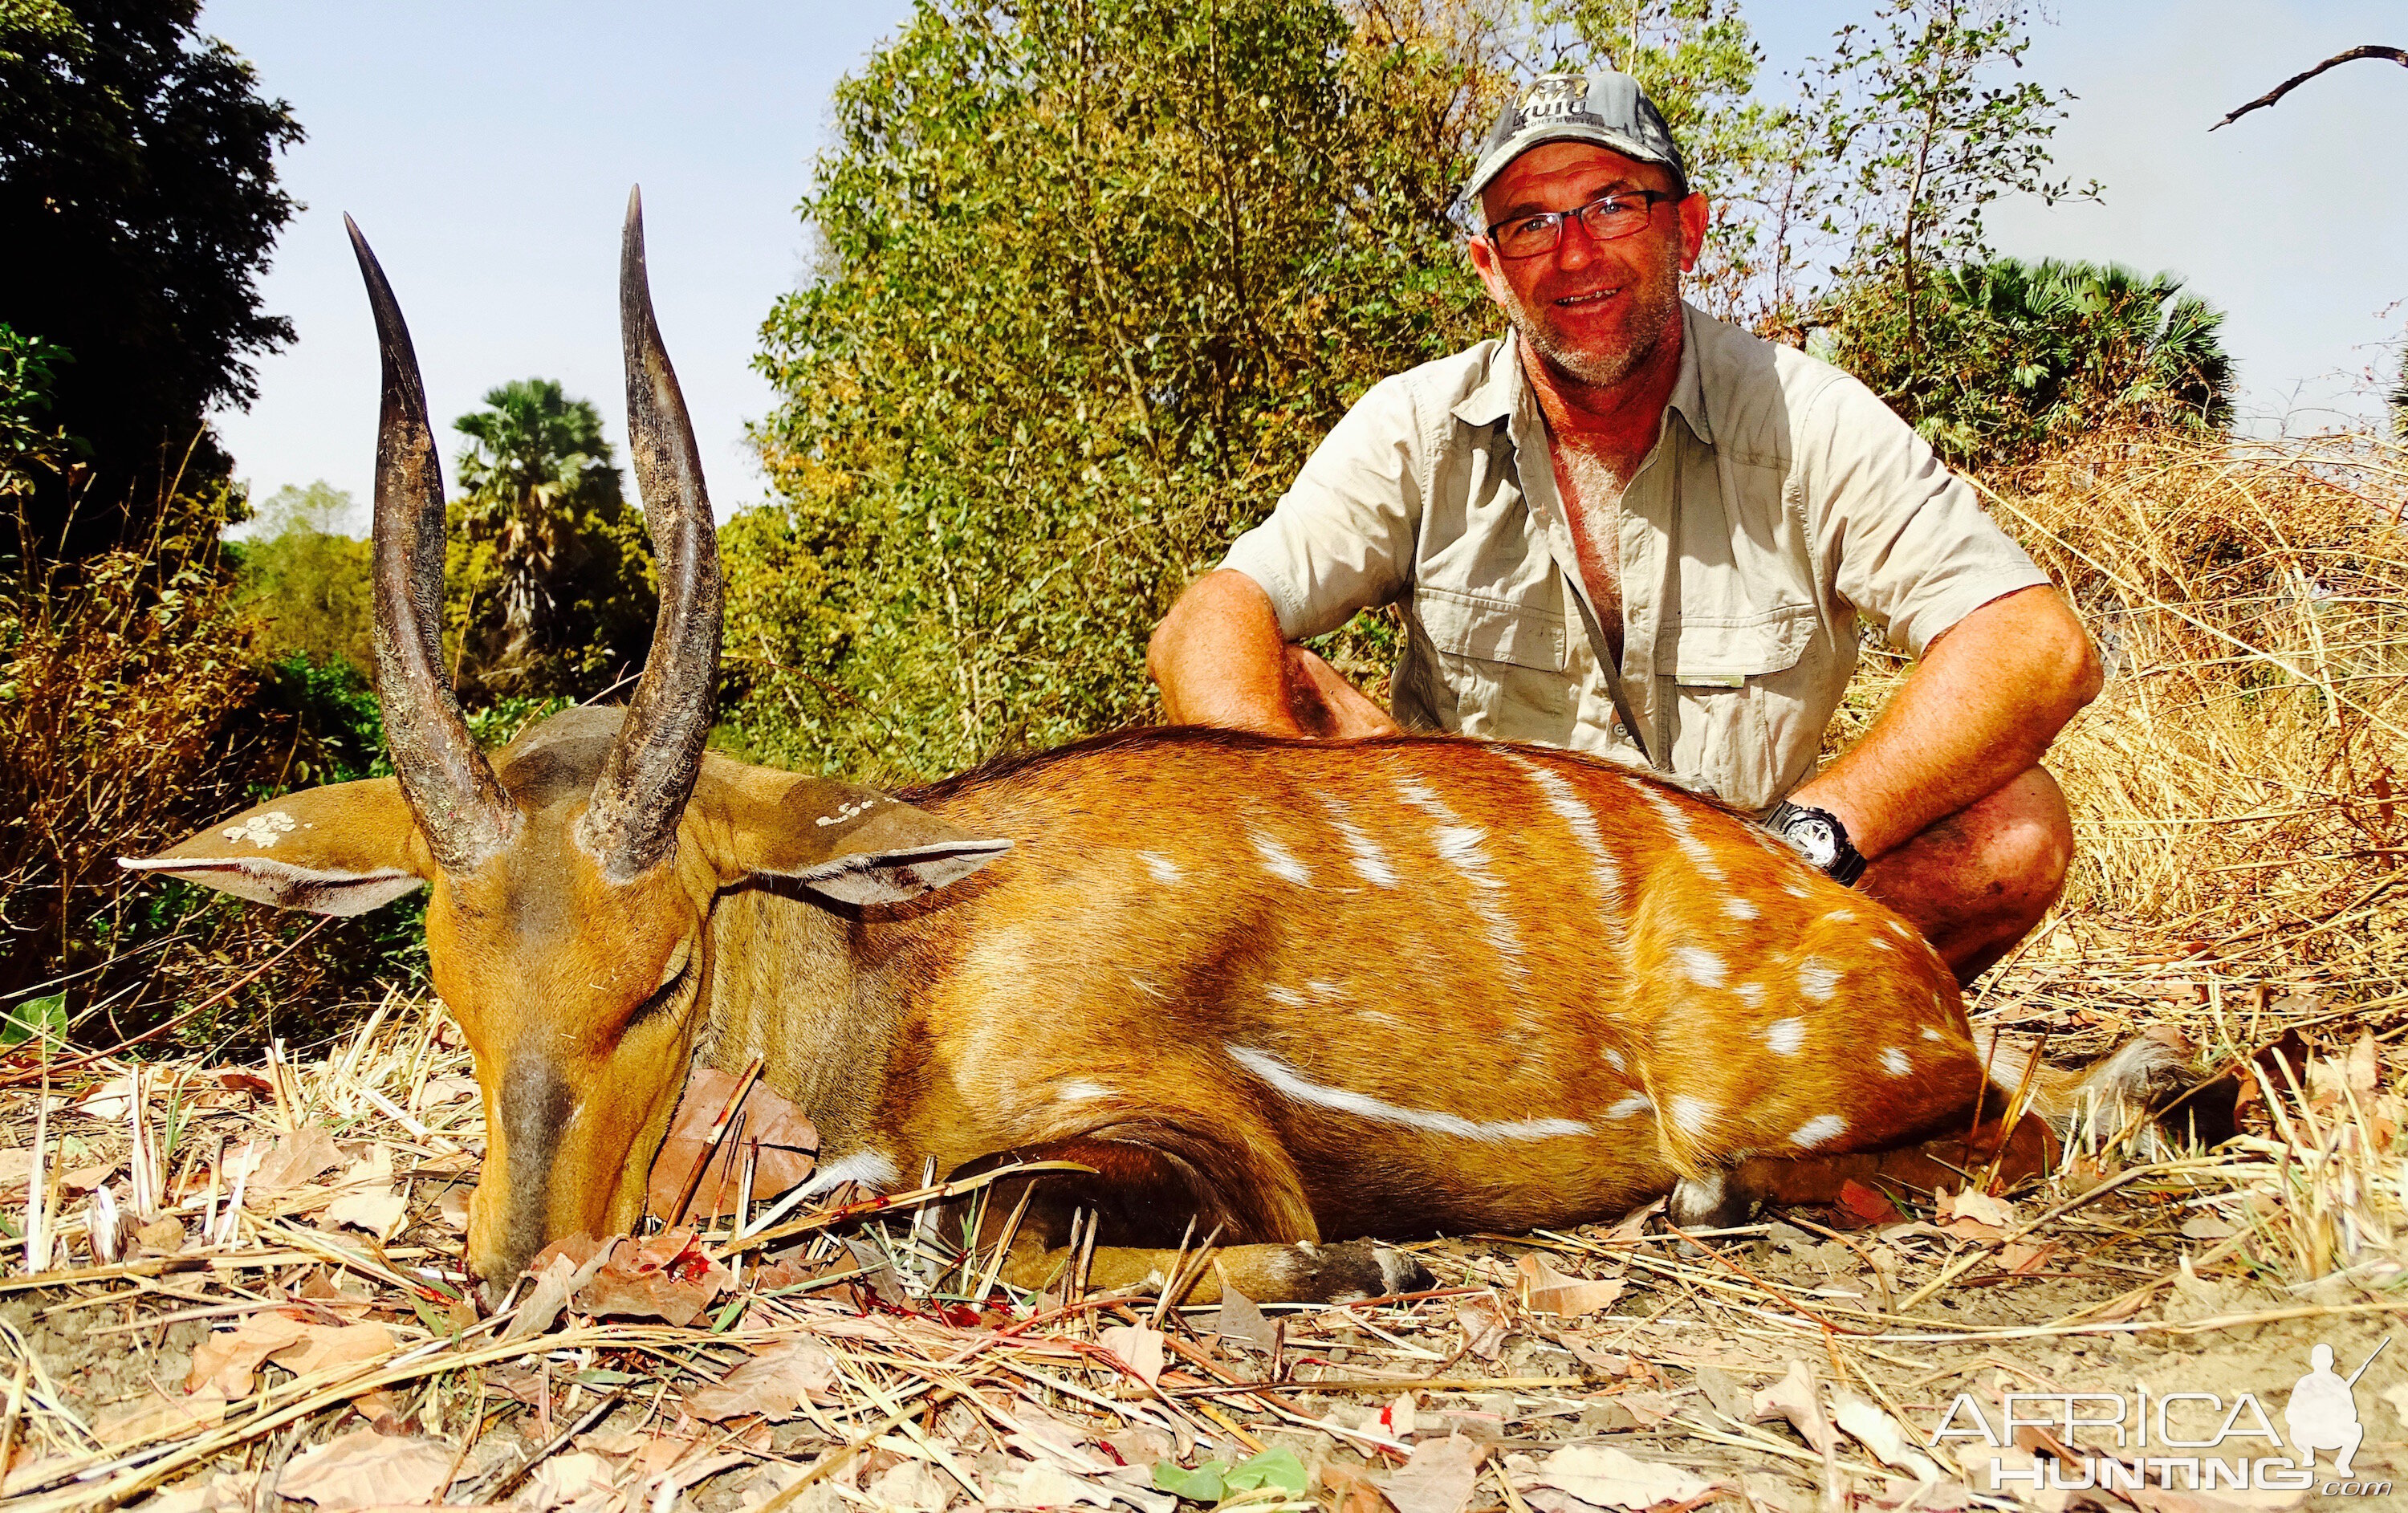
point(1529, 237)
point(1606, 220)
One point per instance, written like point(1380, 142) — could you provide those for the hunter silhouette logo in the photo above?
point(1556, 94)
point(2183, 1441)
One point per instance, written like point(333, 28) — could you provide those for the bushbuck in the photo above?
point(1299, 992)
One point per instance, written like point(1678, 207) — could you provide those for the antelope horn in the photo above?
point(461, 807)
point(650, 771)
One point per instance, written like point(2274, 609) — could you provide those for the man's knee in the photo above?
point(2027, 837)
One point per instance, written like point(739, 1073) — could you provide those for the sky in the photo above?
point(487, 150)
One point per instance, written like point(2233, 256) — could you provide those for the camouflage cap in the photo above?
point(1604, 108)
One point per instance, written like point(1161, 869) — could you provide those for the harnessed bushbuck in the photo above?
point(1292, 990)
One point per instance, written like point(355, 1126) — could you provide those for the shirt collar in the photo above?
point(1501, 387)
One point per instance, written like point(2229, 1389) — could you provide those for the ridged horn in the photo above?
point(650, 772)
point(461, 807)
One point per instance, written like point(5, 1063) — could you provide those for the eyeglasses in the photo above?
point(1611, 217)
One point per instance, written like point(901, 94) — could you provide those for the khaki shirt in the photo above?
point(1787, 502)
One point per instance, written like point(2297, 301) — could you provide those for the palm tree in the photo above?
point(554, 553)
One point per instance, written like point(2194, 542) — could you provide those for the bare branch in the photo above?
point(2397, 55)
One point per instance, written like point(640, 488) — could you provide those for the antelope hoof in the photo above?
point(1713, 1202)
point(1355, 1270)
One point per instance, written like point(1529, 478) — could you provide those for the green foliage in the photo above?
point(137, 184)
point(548, 577)
point(29, 444)
point(2019, 356)
point(303, 588)
point(1921, 135)
point(1218, 1482)
point(1092, 280)
point(31, 1017)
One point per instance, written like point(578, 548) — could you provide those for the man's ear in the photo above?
point(342, 849)
point(852, 844)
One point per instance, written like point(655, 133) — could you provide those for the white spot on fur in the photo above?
point(1817, 980)
point(1279, 860)
point(1894, 1061)
point(1750, 993)
point(1080, 1090)
point(261, 830)
point(1459, 846)
point(1931, 1033)
point(1694, 1115)
point(1614, 1058)
point(1628, 1105)
point(1898, 928)
point(1700, 856)
point(1840, 916)
point(1292, 1084)
point(1324, 988)
point(1284, 997)
point(1568, 806)
point(1816, 1131)
point(1879, 944)
point(1703, 967)
point(1164, 870)
point(1794, 890)
point(1377, 1016)
point(1739, 909)
point(869, 1168)
point(1363, 853)
point(1786, 1037)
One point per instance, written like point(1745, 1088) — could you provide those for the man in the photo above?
point(1626, 505)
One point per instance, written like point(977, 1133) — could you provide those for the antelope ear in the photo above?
point(342, 849)
point(852, 844)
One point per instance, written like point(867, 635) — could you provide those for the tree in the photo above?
point(303, 586)
point(138, 203)
point(1923, 136)
point(1092, 278)
point(548, 587)
point(2019, 355)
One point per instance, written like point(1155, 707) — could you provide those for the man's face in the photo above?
point(1594, 310)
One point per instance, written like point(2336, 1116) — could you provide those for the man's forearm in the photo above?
point(1985, 701)
point(1220, 660)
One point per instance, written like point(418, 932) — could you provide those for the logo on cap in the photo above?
point(1556, 95)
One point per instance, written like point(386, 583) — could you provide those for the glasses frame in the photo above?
point(1653, 197)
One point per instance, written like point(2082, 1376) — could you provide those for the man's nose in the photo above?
point(1575, 244)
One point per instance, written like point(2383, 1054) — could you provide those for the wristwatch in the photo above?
point(1817, 835)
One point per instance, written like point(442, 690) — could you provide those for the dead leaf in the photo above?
point(368, 1198)
point(667, 1277)
point(1136, 1347)
point(1794, 1398)
point(364, 1469)
point(1485, 1325)
point(1240, 1321)
point(772, 1384)
point(1882, 1434)
point(1398, 1418)
point(226, 1491)
point(789, 1145)
point(155, 1415)
point(1862, 1207)
point(2023, 1259)
point(1974, 1216)
point(1728, 1397)
point(295, 1159)
point(227, 1359)
point(545, 1297)
point(111, 1101)
point(324, 1348)
point(1439, 1477)
point(451, 1207)
point(1603, 1476)
point(1545, 1289)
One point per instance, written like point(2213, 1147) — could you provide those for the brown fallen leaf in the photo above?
point(1545, 1289)
point(295, 1159)
point(564, 1479)
point(155, 1415)
point(368, 1199)
point(1439, 1477)
point(1136, 1347)
point(2023, 1259)
point(1794, 1398)
point(1240, 1321)
point(365, 1469)
point(1485, 1325)
point(773, 1384)
point(228, 1359)
point(326, 1347)
point(1974, 1216)
point(667, 1277)
point(789, 1145)
point(1603, 1476)
point(1862, 1207)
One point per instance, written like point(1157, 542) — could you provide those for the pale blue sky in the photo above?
point(486, 150)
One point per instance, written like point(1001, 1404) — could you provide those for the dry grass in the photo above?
point(2238, 885)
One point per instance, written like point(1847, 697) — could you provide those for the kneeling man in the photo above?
point(1632, 529)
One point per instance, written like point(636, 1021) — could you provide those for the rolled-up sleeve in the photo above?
point(1341, 538)
point(1907, 542)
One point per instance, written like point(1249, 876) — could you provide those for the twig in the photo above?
point(2397, 55)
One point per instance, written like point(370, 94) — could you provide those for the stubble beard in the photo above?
point(1654, 308)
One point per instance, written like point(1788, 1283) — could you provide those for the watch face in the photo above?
point(1813, 836)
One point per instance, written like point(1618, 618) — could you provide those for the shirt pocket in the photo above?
point(1729, 685)
point(1502, 669)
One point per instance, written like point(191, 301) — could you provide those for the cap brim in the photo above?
point(1496, 163)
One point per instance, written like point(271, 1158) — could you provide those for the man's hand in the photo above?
point(1989, 696)
point(1220, 660)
